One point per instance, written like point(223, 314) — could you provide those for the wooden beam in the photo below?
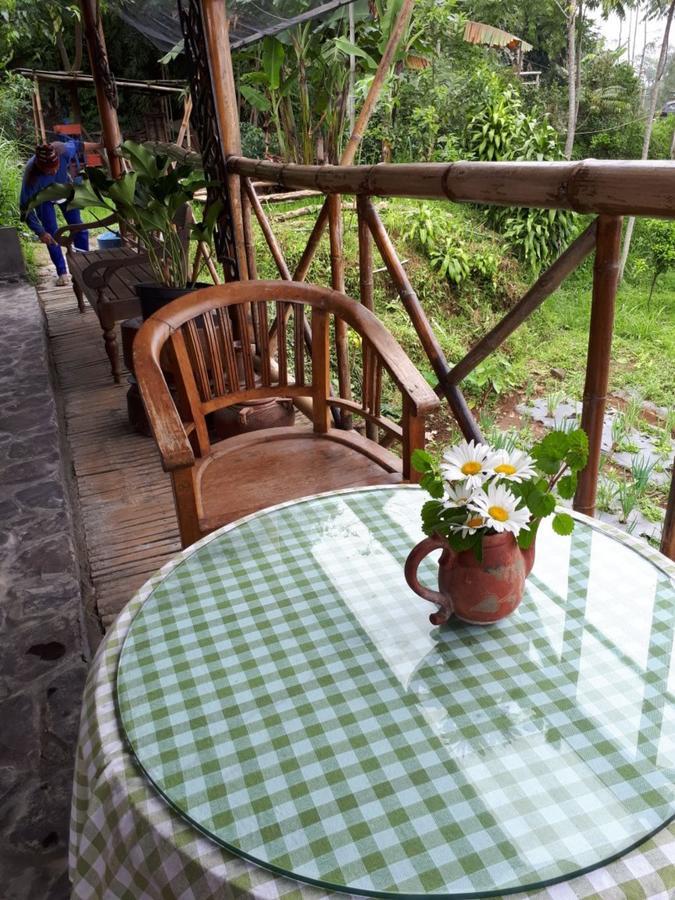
point(608, 187)
point(106, 97)
point(605, 282)
point(543, 287)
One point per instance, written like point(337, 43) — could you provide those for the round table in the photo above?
point(283, 691)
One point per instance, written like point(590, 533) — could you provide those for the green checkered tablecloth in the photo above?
point(284, 690)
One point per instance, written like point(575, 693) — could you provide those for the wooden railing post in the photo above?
point(668, 536)
point(605, 282)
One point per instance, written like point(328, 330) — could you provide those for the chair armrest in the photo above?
point(168, 429)
point(64, 236)
point(96, 274)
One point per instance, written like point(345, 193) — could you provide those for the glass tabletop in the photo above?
point(284, 690)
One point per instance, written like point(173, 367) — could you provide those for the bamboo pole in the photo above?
point(605, 282)
point(668, 535)
point(40, 130)
point(545, 285)
point(337, 269)
point(377, 83)
point(608, 187)
point(266, 229)
point(366, 295)
point(104, 84)
point(185, 122)
point(413, 307)
point(248, 232)
point(217, 36)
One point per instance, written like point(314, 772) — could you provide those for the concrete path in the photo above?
point(43, 647)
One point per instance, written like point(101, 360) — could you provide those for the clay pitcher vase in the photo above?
point(476, 592)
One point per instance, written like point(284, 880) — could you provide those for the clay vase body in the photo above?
point(476, 592)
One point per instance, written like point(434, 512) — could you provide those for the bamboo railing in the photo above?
point(609, 190)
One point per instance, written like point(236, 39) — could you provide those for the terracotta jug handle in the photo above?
point(412, 563)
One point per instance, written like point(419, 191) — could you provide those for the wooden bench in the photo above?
point(107, 279)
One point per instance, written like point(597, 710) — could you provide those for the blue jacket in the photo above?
point(35, 181)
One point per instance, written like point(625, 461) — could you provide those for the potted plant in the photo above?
point(486, 507)
point(152, 203)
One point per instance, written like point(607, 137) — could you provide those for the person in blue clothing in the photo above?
point(53, 163)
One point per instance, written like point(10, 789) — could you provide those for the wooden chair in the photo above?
point(199, 338)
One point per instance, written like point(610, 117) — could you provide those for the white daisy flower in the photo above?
point(498, 506)
point(466, 461)
point(514, 466)
point(457, 495)
point(471, 525)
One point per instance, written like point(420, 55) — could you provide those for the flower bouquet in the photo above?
point(487, 504)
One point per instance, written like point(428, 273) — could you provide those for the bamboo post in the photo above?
point(266, 229)
point(545, 285)
point(217, 37)
point(248, 232)
point(366, 291)
point(337, 269)
point(40, 131)
point(185, 122)
point(605, 282)
point(413, 307)
point(106, 94)
point(668, 536)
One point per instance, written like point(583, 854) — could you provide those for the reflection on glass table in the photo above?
point(283, 690)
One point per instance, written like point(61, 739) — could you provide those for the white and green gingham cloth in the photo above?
point(127, 841)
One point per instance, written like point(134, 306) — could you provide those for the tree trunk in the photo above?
point(653, 99)
point(571, 78)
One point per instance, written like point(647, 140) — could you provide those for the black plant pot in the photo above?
point(154, 296)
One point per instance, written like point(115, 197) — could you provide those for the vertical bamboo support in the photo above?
point(104, 83)
point(40, 132)
point(413, 439)
point(605, 282)
point(248, 233)
point(366, 294)
point(320, 371)
point(337, 269)
point(217, 36)
point(668, 536)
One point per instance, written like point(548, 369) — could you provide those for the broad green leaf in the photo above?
point(567, 486)
point(353, 50)
point(433, 484)
point(255, 98)
point(422, 461)
point(563, 524)
point(272, 60)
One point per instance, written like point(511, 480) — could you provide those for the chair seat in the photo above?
point(251, 471)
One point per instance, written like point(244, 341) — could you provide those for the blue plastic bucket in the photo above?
point(108, 240)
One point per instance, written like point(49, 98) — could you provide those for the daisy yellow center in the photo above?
point(475, 522)
point(471, 468)
point(505, 469)
point(498, 513)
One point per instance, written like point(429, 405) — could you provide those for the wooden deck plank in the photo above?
point(125, 497)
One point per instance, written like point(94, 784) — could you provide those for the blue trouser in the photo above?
point(47, 215)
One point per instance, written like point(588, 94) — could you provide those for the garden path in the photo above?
point(125, 498)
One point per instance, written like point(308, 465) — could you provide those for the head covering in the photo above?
point(45, 156)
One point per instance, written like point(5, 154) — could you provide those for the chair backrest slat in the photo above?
point(187, 386)
point(242, 310)
point(214, 348)
point(195, 349)
point(299, 342)
point(229, 354)
point(263, 343)
point(282, 355)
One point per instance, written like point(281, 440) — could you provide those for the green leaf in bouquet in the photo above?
point(567, 486)
point(431, 483)
point(576, 456)
point(563, 524)
point(431, 517)
point(540, 504)
point(527, 535)
point(422, 461)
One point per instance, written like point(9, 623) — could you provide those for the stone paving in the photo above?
point(43, 645)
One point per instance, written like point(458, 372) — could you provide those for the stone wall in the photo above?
point(43, 652)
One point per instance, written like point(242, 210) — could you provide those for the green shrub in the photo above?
point(252, 141)
point(11, 171)
point(16, 117)
point(502, 130)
